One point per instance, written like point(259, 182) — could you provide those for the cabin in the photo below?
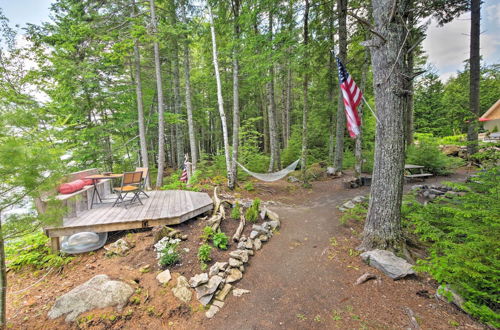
point(491, 118)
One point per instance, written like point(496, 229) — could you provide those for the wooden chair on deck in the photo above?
point(131, 183)
point(145, 173)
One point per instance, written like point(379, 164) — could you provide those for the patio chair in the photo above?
point(145, 173)
point(131, 183)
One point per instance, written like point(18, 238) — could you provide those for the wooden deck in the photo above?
point(163, 207)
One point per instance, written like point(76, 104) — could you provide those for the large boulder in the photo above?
point(181, 290)
point(98, 292)
point(205, 292)
point(385, 261)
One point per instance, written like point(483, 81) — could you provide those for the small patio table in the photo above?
point(97, 177)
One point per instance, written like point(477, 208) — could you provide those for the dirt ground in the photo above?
point(303, 278)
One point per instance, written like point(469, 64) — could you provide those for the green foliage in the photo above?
point(489, 156)
point(236, 211)
point(173, 182)
point(220, 240)
point(204, 253)
point(252, 213)
point(169, 255)
point(426, 152)
point(249, 186)
point(32, 250)
point(464, 250)
point(207, 234)
point(357, 213)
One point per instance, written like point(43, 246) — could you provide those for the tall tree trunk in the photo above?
point(305, 91)
point(3, 280)
point(236, 95)
point(474, 76)
point(383, 224)
point(189, 105)
point(159, 90)
point(274, 162)
point(220, 100)
point(331, 87)
point(410, 63)
point(288, 101)
point(358, 150)
point(341, 120)
point(140, 104)
point(179, 130)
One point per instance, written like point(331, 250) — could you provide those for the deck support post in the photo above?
point(55, 244)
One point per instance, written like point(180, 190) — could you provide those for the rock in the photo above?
point(263, 238)
point(417, 187)
point(240, 255)
point(164, 277)
point(221, 274)
point(212, 311)
point(224, 292)
point(348, 205)
point(342, 209)
point(218, 303)
point(184, 237)
point(262, 229)
point(391, 265)
point(365, 277)
point(263, 214)
point(216, 268)
point(241, 244)
point(293, 179)
point(359, 199)
point(250, 252)
point(273, 216)
point(450, 150)
point(182, 291)
point(234, 275)
point(248, 244)
point(198, 280)
point(235, 262)
point(444, 291)
point(145, 269)
point(275, 224)
point(330, 171)
point(242, 268)
point(431, 196)
point(120, 247)
point(98, 292)
point(159, 232)
point(204, 293)
point(174, 233)
point(240, 292)
point(254, 234)
point(257, 243)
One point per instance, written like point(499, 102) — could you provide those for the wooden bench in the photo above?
point(79, 200)
point(410, 176)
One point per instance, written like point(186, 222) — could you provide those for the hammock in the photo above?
point(270, 177)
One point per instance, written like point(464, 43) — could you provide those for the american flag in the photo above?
point(184, 176)
point(352, 97)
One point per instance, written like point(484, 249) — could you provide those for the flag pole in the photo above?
point(373, 112)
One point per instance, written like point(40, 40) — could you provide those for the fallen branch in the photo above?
point(239, 230)
point(413, 320)
point(365, 277)
point(217, 202)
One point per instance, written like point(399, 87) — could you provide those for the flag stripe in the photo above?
point(352, 96)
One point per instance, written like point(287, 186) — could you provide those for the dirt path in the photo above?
point(300, 281)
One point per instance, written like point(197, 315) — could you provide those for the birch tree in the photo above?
point(236, 94)
point(274, 162)
point(305, 90)
point(220, 100)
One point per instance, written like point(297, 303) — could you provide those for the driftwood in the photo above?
point(239, 230)
point(365, 277)
point(217, 202)
point(413, 319)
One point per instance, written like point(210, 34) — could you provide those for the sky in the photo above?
point(447, 47)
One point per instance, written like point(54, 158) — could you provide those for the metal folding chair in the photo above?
point(145, 173)
point(131, 183)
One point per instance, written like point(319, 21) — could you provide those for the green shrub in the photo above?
point(208, 233)
point(235, 211)
point(220, 240)
point(464, 249)
point(357, 213)
point(426, 153)
point(32, 250)
point(252, 213)
point(249, 186)
point(204, 253)
point(169, 255)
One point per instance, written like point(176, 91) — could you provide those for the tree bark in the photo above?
point(410, 63)
point(159, 87)
point(189, 105)
point(236, 96)
point(220, 100)
point(305, 91)
point(358, 150)
point(140, 104)
point(383, 224)
point(274, 162)
point(3, 280)
point(474, 76)
point(341, 120)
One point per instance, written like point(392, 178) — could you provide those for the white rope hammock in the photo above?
point(270, 177)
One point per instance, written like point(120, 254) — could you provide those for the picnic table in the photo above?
point(95, 178)
point(415, 172)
